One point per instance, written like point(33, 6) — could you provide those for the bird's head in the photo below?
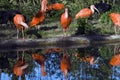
point(93, 8)
point(66, 9)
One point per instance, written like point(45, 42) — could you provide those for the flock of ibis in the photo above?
point(65, 61)
point(19, 19)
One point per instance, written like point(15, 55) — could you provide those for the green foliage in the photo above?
point(86, 27)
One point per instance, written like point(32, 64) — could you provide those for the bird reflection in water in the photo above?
point(65, 65)
point(40, 59)
point(115, 60)
point(88, 58)
point(20, 66)
point(90, 55)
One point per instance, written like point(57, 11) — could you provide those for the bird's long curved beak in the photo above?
point(96, 10)
point(92, 7)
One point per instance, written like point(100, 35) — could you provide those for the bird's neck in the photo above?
point(92, 10)
point(66, 14)
point(43, 8)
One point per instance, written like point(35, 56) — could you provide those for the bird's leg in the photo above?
point(115, 30)
point(17, 33)
point(38, 27)
point(22, 33)
point(64, 33)
point(119, 28)
point(17, 55)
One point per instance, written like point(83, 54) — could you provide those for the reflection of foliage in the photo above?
point(53, 63)
point(12, 57)
point(80, 70)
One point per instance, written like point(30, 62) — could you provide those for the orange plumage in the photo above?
point(65, 64)
point(38, 19)
point(19, 21)
point(40, 59)
point(49, 8)
point(65, 20)
point(40, 16)
point(19, 67)
point(115, 60)
point(84, 13)
point(55, 6)
point(58, 6)
point(115, 17)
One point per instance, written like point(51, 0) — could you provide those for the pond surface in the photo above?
point(89, 63)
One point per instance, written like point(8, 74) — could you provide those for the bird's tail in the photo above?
point(24, 24)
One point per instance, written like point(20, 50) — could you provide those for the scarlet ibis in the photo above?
point(65, 64)
point(38, 19)
point(86, 12)
point(66, 19)
point(55, 6)
point(115, 60)
point(115, 17)
point(103, 7)
point(40, 59)
point(19, 67)
point(40, 16)
point(19, 21)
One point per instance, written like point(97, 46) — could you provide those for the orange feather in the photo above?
point(55, 6)
point(40, 59)
point(115, 60)
point(115, 17)
point(19, 67)
point(38, 18)
point(66, 20)
point(18, 20)
point(65, 64)
point(84, 13)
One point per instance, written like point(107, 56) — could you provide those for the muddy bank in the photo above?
point(65, 42)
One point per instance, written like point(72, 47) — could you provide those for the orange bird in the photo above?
point(40, 16)
point(115, 17)
point(65, 64)
point(19, 67)
point(86, 12)
point(38, 19)
point(66, 19)
point(19, 22)
point(40, 59)
point(55, 6)
point(115, 60)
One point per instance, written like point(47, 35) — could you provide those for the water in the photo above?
point(88, 63)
